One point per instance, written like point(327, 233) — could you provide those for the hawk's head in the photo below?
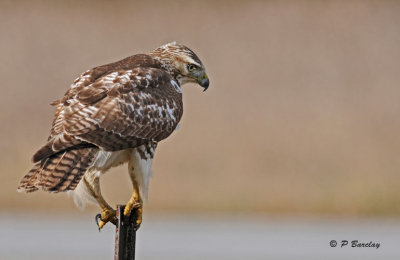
point(182, 63)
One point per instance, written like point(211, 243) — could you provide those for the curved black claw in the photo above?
point(96, 218)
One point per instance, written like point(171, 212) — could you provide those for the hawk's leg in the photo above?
point(108, 214)
point(135, 202)
point(139, 167)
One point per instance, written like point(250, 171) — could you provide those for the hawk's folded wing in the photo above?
point(119, 110)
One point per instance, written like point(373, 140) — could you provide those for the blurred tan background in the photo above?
point(302, 115)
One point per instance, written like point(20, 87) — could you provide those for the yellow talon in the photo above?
point(131, 205)
point(139, 216)
point(101, 224)
point(107, 215)
point(127, 210)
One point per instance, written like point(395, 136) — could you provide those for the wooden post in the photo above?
point(125, 235)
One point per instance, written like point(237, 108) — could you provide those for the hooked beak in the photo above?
point(204, 82)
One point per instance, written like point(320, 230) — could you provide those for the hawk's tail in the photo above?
point(59, 172)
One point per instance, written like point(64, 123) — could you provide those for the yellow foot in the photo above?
point(107, 215)
point(139, 209)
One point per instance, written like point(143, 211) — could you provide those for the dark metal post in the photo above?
point(125, 235)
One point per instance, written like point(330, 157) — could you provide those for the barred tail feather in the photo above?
point(28, 181)
point(59, 172)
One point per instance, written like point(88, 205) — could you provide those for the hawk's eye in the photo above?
point(191, 67)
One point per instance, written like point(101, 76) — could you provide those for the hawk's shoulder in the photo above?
point(99, 73)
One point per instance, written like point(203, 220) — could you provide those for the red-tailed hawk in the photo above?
point(110, 115)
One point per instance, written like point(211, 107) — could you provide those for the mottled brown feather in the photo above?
point(133, 108)
point(116, 106)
